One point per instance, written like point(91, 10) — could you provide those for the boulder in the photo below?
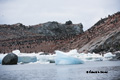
point(10, 59)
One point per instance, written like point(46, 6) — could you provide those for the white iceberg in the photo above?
point(45, 58)
point(90, 57)
point(73, 53)
point(108, 56)
point(61, 58)
point(16, 52)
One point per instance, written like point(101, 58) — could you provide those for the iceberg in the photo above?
point(90, 57)
point(71, 57)
point(16, 52)
point(61, 58)
point(45, 58)
point(73, 53)
point(108, 56)
point(26, 59)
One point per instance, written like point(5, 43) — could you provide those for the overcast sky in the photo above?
point(31, 12)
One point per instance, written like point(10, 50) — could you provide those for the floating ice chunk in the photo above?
point(61, 58)
point(73, 53)
point(46, 58)
point(38, 62)
point(16, 51)
point(42, 58)
point(108, 56)
point(86, 57)
point(97, 57)
point(90, 57)
point(26, 59)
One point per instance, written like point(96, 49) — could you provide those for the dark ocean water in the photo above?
point(61, 72)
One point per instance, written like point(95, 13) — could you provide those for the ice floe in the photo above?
point(71, 57)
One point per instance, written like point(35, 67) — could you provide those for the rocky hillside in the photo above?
point(46, 29)
point(26, 38)
point(103, 36)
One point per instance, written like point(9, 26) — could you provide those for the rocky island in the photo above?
point(104, 36)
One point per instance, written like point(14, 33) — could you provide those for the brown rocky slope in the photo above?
point(42, 37)
point(102, 37)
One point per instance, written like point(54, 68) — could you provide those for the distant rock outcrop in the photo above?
point(68, 22)
point(57, 29)
point(46, 29)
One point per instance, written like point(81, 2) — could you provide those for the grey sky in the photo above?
point(31, 12)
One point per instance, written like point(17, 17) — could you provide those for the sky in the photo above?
point(32, 12)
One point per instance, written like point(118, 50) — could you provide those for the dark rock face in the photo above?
point(10, 59)
point(57, 29)
point(109, 43)
point(117, 56)
point(46, 29)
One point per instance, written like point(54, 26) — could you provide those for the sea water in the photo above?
point(61, 72)
point(37, 67)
